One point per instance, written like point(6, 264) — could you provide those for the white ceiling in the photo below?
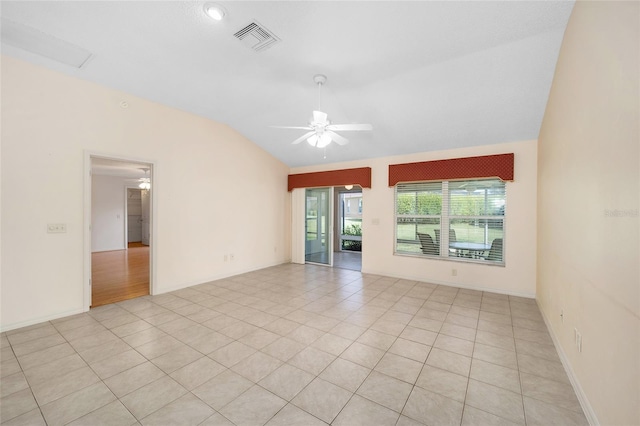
point(428, 75)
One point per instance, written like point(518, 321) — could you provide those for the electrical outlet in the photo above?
point(232, 257)
point(56, 228)
point(454, 272)
point(226, 258)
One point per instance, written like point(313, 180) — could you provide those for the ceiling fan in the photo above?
point(320, 130)
point(476, 185)
point(145, 182)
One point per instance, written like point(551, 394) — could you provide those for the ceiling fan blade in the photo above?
point(319, 117)
point(303, 137)
point(349, 127)
point(340, 140)
point(292, 127)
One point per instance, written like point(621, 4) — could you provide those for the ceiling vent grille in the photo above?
point(256, 37)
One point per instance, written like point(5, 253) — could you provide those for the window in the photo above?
point(459, 220)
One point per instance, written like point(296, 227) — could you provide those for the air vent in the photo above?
point(256, 37)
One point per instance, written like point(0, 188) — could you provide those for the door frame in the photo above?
point(339, 214)
point(87, 179)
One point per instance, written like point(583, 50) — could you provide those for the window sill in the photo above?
point(451, 259)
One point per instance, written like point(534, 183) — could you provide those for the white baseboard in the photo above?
point(220, 276)
point(63, 314)
point(103, 249)
point(40, 319)
point(453, 284)
point(575, 383)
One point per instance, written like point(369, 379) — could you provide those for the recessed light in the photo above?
point(215, 11)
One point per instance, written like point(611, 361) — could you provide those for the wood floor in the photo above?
point(119, 275)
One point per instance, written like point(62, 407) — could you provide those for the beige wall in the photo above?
point(108, 212)
point(517, 278)
point(588, 243)
point(50, 119)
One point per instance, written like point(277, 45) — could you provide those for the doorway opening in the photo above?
point(348, 234)
point(120, 234)
point(137, 216)
point(333, 227)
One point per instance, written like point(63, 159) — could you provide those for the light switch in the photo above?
point(56, 228)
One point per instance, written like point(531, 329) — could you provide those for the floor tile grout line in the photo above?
point(524, 413)
point(77, 390)
point(388, 308)
point(466, 393)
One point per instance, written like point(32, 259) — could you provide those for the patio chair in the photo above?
point(427, 245)
point(452, 239)
point(495, 252)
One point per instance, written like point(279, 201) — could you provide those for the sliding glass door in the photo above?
point(318, 247)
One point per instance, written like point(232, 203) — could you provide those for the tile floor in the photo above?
point(292, 345)
point(348, 260)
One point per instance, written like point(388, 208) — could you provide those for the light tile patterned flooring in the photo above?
point(347, 260)
point(292, 345)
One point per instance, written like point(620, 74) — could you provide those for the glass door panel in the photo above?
point(318, 226)
point(350, 234)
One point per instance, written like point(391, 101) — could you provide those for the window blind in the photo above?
point(463, 220)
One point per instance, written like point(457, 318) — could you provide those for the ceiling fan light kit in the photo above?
point(145, 182)
point(320, 130)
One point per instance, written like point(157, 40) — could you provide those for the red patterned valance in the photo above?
point(487, 166)
point(360, 176)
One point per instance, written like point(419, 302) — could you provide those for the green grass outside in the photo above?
point(464, 232)
point(349, 222)
point(312, 225)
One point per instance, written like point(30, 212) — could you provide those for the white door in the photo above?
point(146, 214)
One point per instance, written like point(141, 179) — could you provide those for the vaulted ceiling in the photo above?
point(428, 75)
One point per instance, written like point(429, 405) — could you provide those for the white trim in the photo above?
point(86, 252)
point(224, 275)
point(87, 220)
point(297, 225)
point(39, 320)
point(452, 284)
point(108, 249)
point(330, 218)
point(589, 413)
